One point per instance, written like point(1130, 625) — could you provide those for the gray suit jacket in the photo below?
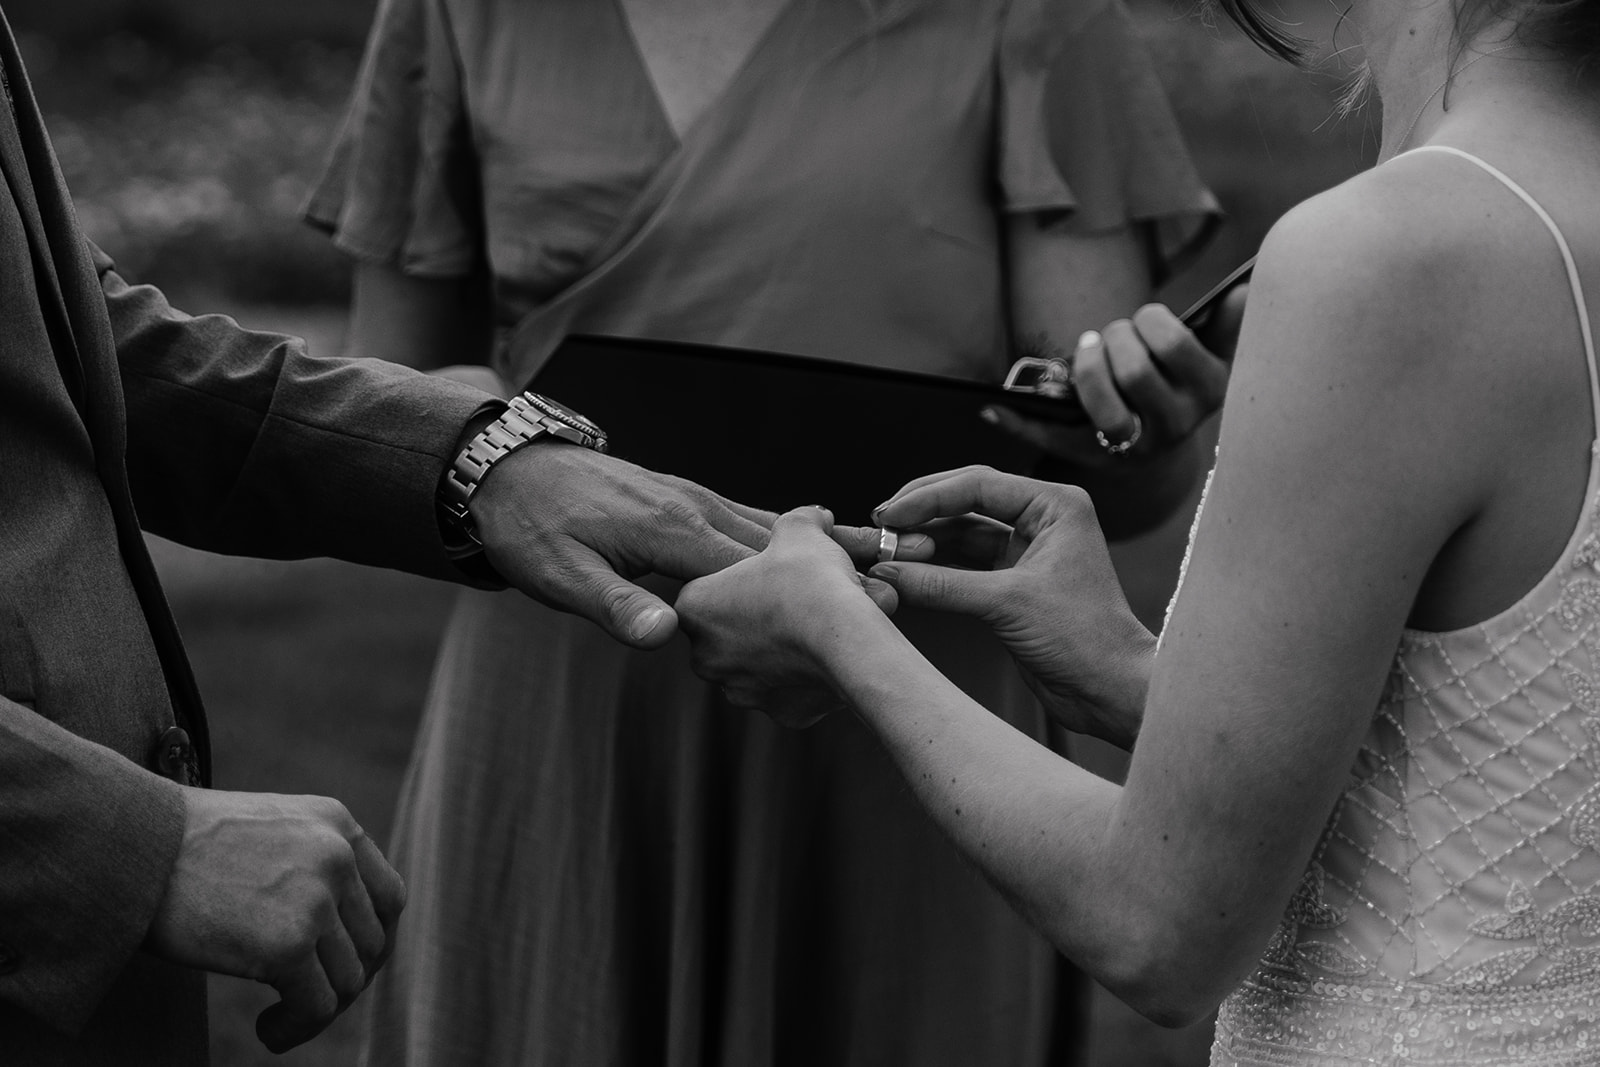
point(119, 413)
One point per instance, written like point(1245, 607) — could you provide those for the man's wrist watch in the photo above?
point(528, 418)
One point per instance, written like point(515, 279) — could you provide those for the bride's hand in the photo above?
point(757, 627)
point(1028, 558)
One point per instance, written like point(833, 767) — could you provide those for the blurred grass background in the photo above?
point(190, 133)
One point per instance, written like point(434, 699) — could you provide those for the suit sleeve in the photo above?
point(243, 443)
point(237, 442)
point(94, 838)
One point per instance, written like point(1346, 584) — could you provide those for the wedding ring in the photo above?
point(1117, 448)
point(888, 541)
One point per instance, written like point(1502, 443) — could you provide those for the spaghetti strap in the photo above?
point(1566, 258)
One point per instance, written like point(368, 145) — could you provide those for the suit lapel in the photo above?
point(19, 175)
point(74, 309)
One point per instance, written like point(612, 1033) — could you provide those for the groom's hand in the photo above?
point(572, 528)
point(287, 890)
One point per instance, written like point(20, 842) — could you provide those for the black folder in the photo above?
point(778, 431)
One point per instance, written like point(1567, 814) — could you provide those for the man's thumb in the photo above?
point(632, 615)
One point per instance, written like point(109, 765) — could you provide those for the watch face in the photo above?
point(564, 414)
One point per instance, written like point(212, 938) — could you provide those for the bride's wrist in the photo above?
point(1120, 709)
point(842, 634)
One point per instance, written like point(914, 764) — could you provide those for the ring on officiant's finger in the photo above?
point(888, 542)
point(1117, 448)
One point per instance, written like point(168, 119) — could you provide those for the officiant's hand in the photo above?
point(572, 528)
point(1028, 558)
point(756, 628)
point(1146, 378)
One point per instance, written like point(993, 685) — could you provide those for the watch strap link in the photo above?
point(526, 419)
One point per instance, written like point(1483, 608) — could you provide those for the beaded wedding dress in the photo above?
point(1451, 911)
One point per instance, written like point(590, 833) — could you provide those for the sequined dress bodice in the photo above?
point(1451, 911)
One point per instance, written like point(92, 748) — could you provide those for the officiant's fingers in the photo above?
point(1168, 376)
point(1219, 331)
point(1051, 438)
point(1097, 385)
point(632, 615)
point(983, 490)
point(1179, 354)
point(923, 585)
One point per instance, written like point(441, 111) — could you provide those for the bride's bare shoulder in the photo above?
point(1420, 258)
point(1395, 236)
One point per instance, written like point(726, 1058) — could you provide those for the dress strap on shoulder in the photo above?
point(1566, 258)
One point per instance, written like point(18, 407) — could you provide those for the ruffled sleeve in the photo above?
point(1085, 127)
point(401, 183)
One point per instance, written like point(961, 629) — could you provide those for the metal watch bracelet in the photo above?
point(527, 418)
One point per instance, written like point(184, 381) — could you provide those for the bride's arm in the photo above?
point(1351, 451)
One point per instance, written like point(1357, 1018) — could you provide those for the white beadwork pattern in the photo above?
point(1451, 911)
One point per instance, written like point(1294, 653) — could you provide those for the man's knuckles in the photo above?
point(332, 814)
point(678, 515)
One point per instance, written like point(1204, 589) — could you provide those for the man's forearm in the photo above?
point(241, 442)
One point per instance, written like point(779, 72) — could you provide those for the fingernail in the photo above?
point(884, 572)
point(645, 623)
point(1089, 338)
point(877, 512)
point(989, 415)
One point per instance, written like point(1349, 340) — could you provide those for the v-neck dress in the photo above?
point(608, 865)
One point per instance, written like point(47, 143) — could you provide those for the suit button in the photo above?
point(175, 757)
point(9, 960)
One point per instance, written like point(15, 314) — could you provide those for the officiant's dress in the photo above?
point(1451, 913)
point(607, 865)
